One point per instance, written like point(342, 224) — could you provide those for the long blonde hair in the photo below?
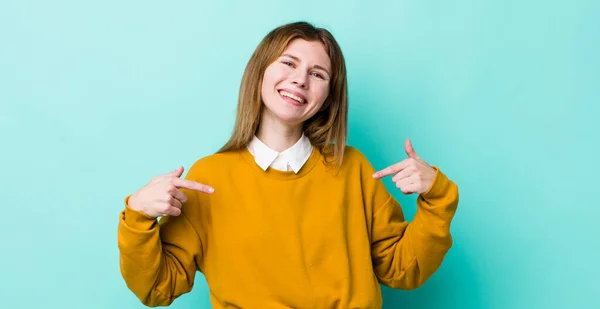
point(327, 129)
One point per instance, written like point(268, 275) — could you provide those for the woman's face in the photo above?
point(296, 85)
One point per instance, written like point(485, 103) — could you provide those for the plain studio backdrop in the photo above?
point(97, 97)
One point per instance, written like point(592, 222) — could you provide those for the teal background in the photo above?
point(97, 97)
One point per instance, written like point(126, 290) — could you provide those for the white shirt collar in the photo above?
point(292, 158)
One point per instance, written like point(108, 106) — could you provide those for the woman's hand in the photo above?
point(161, 196)
point(412, 175)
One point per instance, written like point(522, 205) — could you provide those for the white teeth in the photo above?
point(291, 96)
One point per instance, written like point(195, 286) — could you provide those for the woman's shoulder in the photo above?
point(352, 155)
point(215, 163)
point(355, 160)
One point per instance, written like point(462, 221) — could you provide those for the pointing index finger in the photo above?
point(392, 169)
point(192, 185)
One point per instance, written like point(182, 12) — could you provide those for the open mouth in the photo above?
point(292, 98)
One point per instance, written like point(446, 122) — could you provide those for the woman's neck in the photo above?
point(277, 135)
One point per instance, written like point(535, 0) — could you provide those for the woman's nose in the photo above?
point(300, 79)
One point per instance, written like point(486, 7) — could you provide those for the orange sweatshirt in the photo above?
point(275, 239)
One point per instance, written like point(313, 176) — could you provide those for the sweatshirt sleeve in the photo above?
point(406, 254)
point(159, 258)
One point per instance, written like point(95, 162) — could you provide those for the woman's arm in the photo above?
point(406, 254)
point(159, 258)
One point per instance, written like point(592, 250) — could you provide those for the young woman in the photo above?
point(286, 215)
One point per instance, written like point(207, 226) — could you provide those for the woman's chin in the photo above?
point(286, 115)
point(289, 118)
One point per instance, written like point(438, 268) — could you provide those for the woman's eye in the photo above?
point(289, 64)
point(318, 75)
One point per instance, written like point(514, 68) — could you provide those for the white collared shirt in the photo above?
point(292, 158)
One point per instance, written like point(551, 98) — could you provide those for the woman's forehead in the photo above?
point(309, 51)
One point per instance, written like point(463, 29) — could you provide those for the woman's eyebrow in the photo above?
point(316, 65)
